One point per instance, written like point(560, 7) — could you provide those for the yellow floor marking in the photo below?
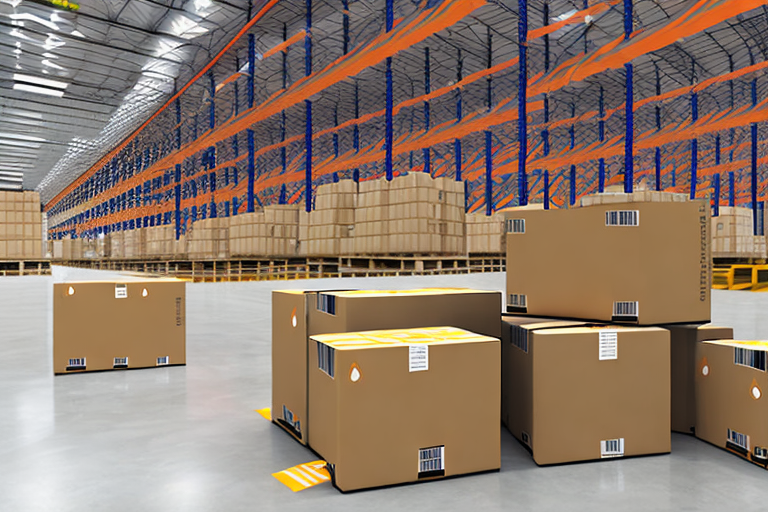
point(266, 413)
point(303, 476)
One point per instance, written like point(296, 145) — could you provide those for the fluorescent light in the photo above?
point(38, 90)
point(36, 19)
point(12, 3)
point(50, 56)
point(17, 51)
point(186, 28)
point(20, 137)
point(39, 81)
point(77, 33)
point(11, 175)
point(53, 41)
point(202, 4)
point(19, 144)
point(50, 64)
point(23, 113)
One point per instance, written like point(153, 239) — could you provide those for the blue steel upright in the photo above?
point(389, 128)
point(308, 106)
point(629, 110)
point(522, 103)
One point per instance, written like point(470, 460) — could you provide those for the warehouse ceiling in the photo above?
point(76, 80)
point(110, 64)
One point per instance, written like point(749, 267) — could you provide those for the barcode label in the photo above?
point(626, 309)
point(431, 460)
point(622, 218)
point(78, 362)
point(519, 337)
point(748, 357)
point(518, 300)
point(162, 361)
point(418, 358)
point(120, 361)
point(326, 303)
point(325, 356)
point(612, 448)
point(516, 226)
point(609, 345)
point(740, 440)
point(121, 291)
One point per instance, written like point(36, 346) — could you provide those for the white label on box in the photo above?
point(612, 448)
point(432, 459)
point(162, 361)
point(609, 345)
point(418, 358)
point(121, 291)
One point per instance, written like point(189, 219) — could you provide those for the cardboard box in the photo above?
point(683, 339)
point(645, 263)
point(114, 325)
point(388, 407)
point(298, 314)
point(731, 411)
point(578, 392)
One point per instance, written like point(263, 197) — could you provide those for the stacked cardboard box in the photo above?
point(160, 241)
point(114, 325)
point(412, 214)
point(643, 262)
point(298, 314)
point(248, 234)
point(68, 249)
point(128, 244)
point(329, 229)
point(641, 258)
point(486, 234)
point(282, 230)
point(731, 410)
point(209, 239)
point(575, 392)
point(21, 226)
point(412, 378)
point(733, 235)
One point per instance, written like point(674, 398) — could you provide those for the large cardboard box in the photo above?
point(646, 263)
point(297, 314)
point(114, 325)
point(731, 411)
point(683, 339)
point(578, 393)
point(391, 407)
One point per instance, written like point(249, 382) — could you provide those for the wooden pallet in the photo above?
point(25, 268)
point(245, 269)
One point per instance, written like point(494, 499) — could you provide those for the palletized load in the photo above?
point(576, 392)
point(642, 262)
point(406, 405)
point(731, 409)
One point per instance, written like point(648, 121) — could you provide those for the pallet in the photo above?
point(253, 269)
point(25, 268)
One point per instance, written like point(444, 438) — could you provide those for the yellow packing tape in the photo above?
point(304, 476)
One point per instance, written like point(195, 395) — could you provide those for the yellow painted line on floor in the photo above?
point(266, 413)
point(303, 476)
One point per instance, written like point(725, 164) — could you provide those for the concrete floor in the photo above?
point(188, 439)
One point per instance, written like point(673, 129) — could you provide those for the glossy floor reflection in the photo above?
point(188, 439)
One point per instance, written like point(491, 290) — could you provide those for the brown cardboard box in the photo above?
point(578, 393)
point(731, 411)
point(389, 407)
point(683, 339)
point(295, 316)
point(571, 264)
point(97, 323)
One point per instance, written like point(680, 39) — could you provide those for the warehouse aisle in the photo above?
point(188, 439)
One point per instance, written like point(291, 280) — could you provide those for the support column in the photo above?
point(308, 105)
point(389, 127)
point(522, 103)
point(629, 136)
point(572, 146)
point(657, 156)
point(427, 112)
point(753, 164)
point(488, 138)
point(251, 145)
point(459, 115)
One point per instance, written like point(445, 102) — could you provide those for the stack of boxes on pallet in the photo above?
point(161, 242)
point(209, 239)
point(733, 234)
point(95, 325)
point(412, 214)
point(381, 405)
point(486, 234)
point(21, 225)
point(272, 231)
point(329, 230)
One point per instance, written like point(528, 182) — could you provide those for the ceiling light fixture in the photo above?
point(23, 113)
point(18, 77)
point(50, 64)
point(36, 19)
point(38, 90)
point(21, 137)
point(19, 144)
